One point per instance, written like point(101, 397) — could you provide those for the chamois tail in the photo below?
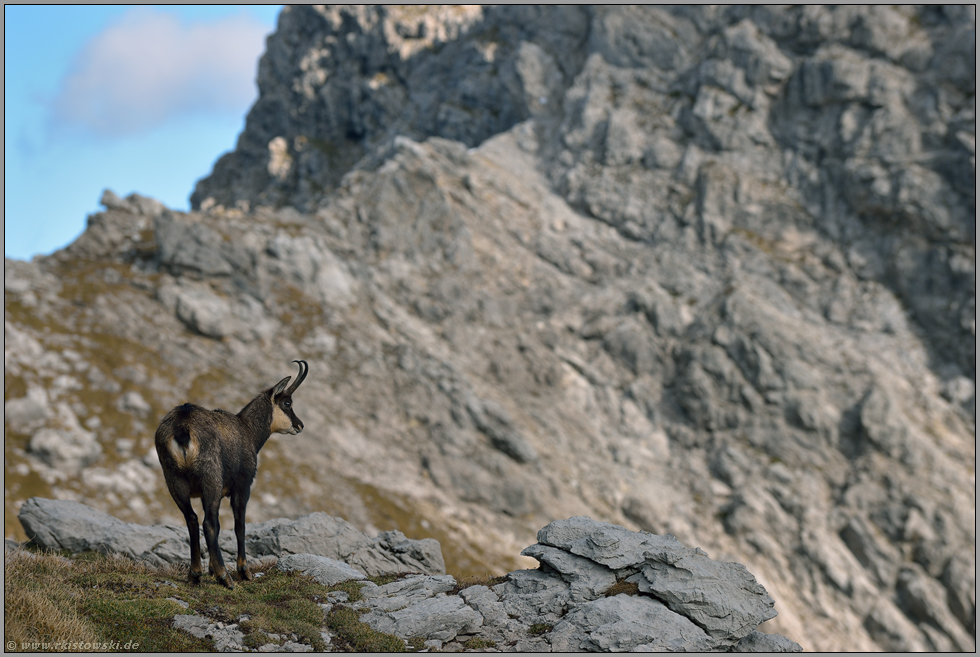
point(182, 434)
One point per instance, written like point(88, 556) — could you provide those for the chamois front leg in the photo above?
point(239, 500)
point(212, 528)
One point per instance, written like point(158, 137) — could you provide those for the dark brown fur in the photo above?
point(214, 454)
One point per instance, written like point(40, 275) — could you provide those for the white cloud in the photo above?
point(150, 67)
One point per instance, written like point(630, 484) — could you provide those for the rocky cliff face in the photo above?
point(707, 271)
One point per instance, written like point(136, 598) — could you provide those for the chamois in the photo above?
point(214, 454)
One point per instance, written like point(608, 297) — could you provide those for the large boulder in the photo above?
point(723, 599)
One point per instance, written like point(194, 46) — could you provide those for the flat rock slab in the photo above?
point(723, 598)
point(587, 579)
point(73, 527)
point(322, 534)
point(623, 622)
point(324, 570)
point(611, 545)
point(404, 592)
point(441, 617)
point(225, 638)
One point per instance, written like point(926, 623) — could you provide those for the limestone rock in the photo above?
point(405, 592)
point(224, 637)
point(440, 618)
point(628, 623)
point(65, 525)
point(723, 599)
point(587, 579)
point(581, 616)
point(321, 534)
point(757, 641)
point(569, 595)
point(68, 525)
point(324, 570)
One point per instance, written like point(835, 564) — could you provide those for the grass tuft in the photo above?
point(624, 587)
point(487, 580)
point(479, 643)
point(540, 628)
point(351, 587)
point(381, 580)
point(350, 634)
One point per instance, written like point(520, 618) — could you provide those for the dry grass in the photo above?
point(52, 604)
point(351, 635)
point(95, 602)
point(487, 580)
point(35, 612)
point(479, 643)
point(624, 587)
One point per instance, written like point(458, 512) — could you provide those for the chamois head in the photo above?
point(284, 419)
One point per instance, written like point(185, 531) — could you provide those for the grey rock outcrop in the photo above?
point(760, 642)
point(706, 271)
point(569, 595)
point(441, 618)
point(323, 569)
point(224, 638)
point(624, 623)
point(68, 525)
point(571, 606)
point(723, 599)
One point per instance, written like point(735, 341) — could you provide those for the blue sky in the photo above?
point(131, 98)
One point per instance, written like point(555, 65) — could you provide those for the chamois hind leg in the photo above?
point(239, 499)
point(181, 494)
point(212, 528)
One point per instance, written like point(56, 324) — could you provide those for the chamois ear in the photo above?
point(280, 386)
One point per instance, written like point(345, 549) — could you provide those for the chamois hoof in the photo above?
point(194, 578)
point(226, 582)
point(245, 575)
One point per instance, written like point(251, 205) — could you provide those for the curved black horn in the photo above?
point(303, 370)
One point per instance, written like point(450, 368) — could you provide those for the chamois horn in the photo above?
point(303, 370)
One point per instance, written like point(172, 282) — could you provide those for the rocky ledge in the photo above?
point(599, 586)
point(73, 527)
